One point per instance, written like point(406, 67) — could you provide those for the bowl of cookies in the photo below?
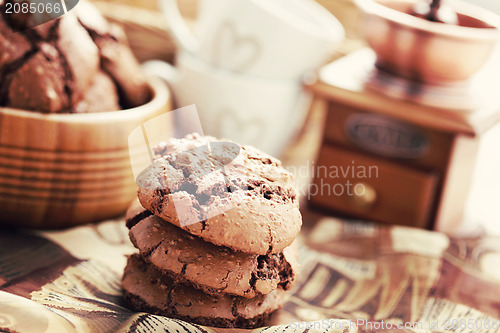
point(71, 92)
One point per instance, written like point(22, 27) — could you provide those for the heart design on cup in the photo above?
point(250, 131)
point(232, 51)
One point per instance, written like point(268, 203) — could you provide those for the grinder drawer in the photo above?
point(369, 188)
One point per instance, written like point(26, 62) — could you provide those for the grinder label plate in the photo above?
point(386, 136)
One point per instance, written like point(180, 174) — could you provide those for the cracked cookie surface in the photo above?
point(245, 200)
point(213, 269)
point(146, 289)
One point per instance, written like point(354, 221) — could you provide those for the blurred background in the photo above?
point(149, 36)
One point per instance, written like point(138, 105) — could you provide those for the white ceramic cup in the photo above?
point(261, 112)
point(264, 38)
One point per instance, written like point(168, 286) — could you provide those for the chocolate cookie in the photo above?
point(245, 200)
point(117, 58)
point(213, 269)
point(101, 96)
point(81, 56)
point(146, 289)
point(13, 46)
point(39, 84)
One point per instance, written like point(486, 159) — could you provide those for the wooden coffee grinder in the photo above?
point(397, 148)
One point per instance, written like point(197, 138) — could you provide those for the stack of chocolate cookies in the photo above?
point(231, 268)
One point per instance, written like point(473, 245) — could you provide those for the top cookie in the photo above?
point(228, 195)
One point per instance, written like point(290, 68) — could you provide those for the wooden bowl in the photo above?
point(59, 170)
